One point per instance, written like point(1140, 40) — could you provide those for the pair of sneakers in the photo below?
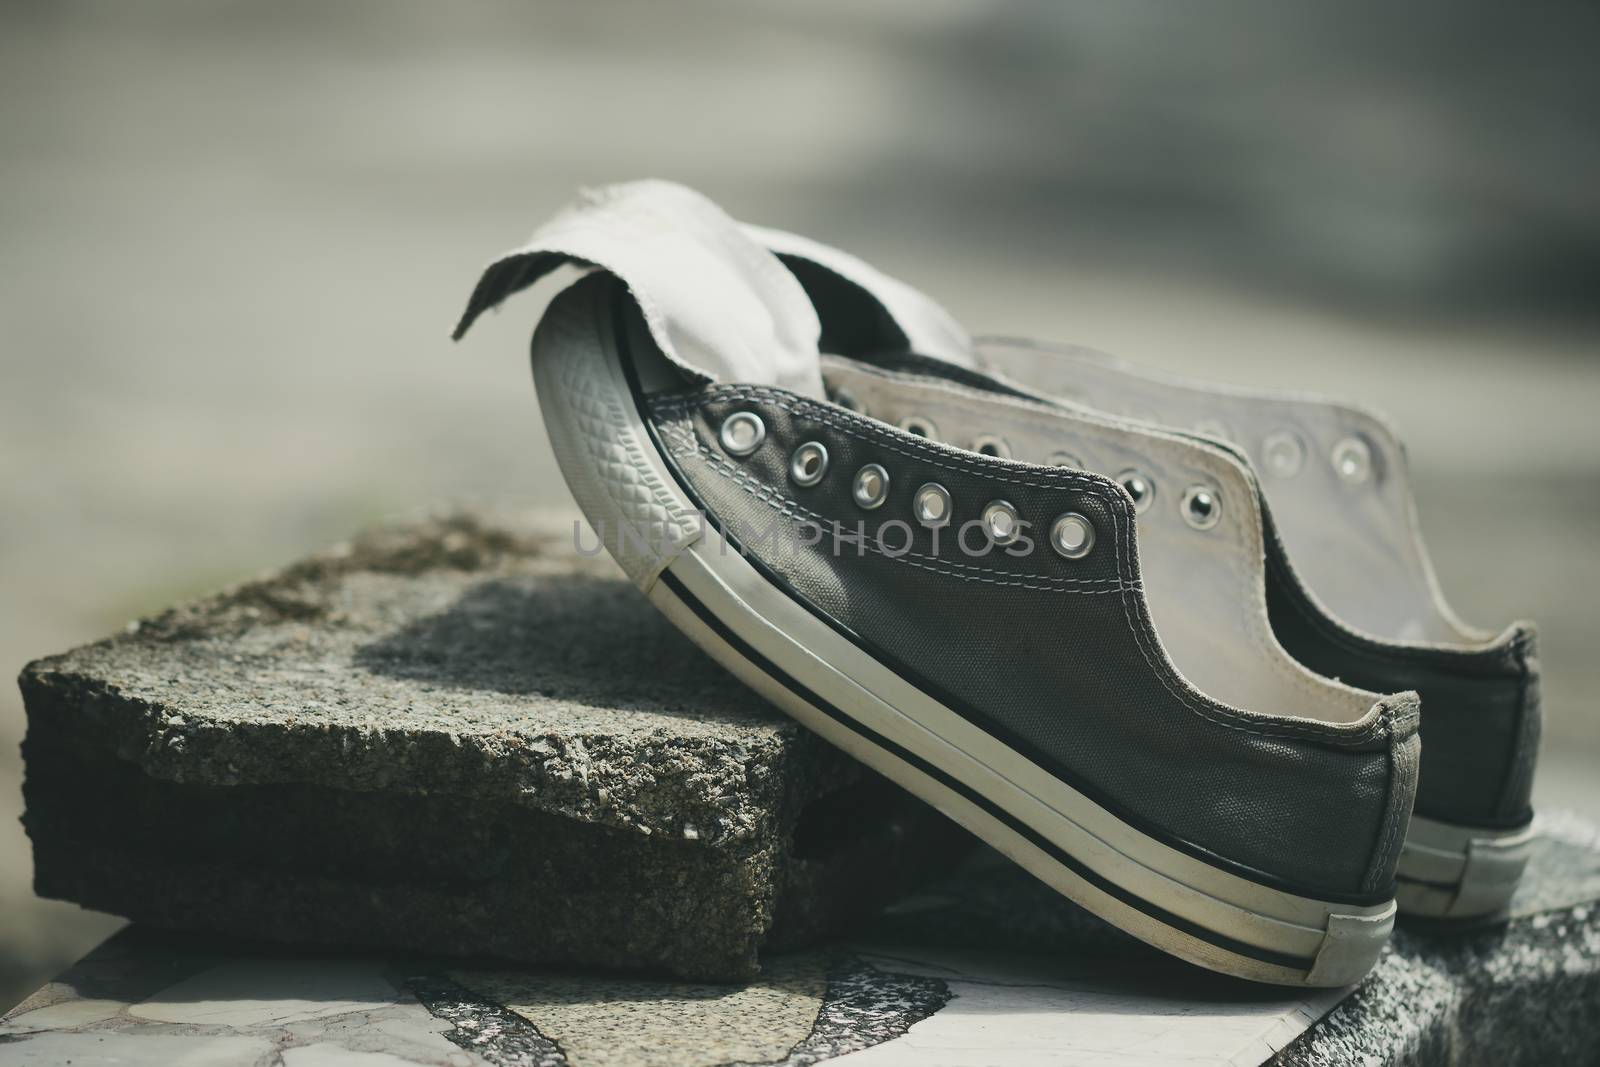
point(1168, 645)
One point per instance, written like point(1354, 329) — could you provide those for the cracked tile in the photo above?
point(270, 992)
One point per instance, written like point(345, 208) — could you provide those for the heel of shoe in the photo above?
point(1460, 872)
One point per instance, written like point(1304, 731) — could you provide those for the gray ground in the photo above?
point(233, 239)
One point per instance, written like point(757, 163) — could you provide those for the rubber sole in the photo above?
point(782, 649)
point(1460, 872)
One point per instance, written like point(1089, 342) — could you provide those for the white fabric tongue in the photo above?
point(720, 305)
point(929, 329)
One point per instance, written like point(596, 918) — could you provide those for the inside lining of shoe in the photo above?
point(1205, 588)
point(1336, 477)
point(717, 304)
point(854, 322)
point(911, 321)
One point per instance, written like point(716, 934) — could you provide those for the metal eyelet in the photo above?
point(989, 444)
point(809, 463)
point(1202, 507)
point(1352, 460)
point(871, 486)
point(1072, 535)
point(932, 505)
point(920, 426)
point(1066, 459)
point(1283, 453)
point(1001, 522)
point(1140, 487)
point(847, 400)
point(742, 433)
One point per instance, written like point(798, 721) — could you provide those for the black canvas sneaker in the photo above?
point(1360, 601)
point(974, 627)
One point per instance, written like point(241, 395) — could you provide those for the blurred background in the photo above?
point(233, 239)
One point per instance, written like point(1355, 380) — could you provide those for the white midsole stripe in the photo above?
point(1461, 871)
point(1446, 837)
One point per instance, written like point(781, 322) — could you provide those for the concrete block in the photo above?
point(457, 735)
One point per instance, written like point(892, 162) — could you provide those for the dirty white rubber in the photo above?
point(750, 625)
point(1460, 872)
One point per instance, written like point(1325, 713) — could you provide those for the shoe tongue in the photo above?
point(718, 304)
point(905, 319)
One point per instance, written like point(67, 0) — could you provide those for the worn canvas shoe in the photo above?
point(1360, 601)
point(981, 630)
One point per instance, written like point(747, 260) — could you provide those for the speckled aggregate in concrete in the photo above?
point(600, 1021)
point(454, 735)
point(1523, 992)
point(453, 656)
point(981, 968)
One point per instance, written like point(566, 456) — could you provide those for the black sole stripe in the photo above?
point(1050, 848)
point(1487, 829)
point(1451, 886)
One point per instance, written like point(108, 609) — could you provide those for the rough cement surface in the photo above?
point(455, 735)
point(983, 966)
point(457, 656)
point(1526, 991)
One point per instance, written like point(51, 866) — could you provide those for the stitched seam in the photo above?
point(809, 410)
point(793, 510)
point(690, 442)
point(952, 402)
point(1043, 419)
point(1391, 819)
point(1123, 547)
point(1168, 675)
point(1368, 649)
point(1165, 673)
point(1035, 409)
point(772, 495)
point(1521, 761)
